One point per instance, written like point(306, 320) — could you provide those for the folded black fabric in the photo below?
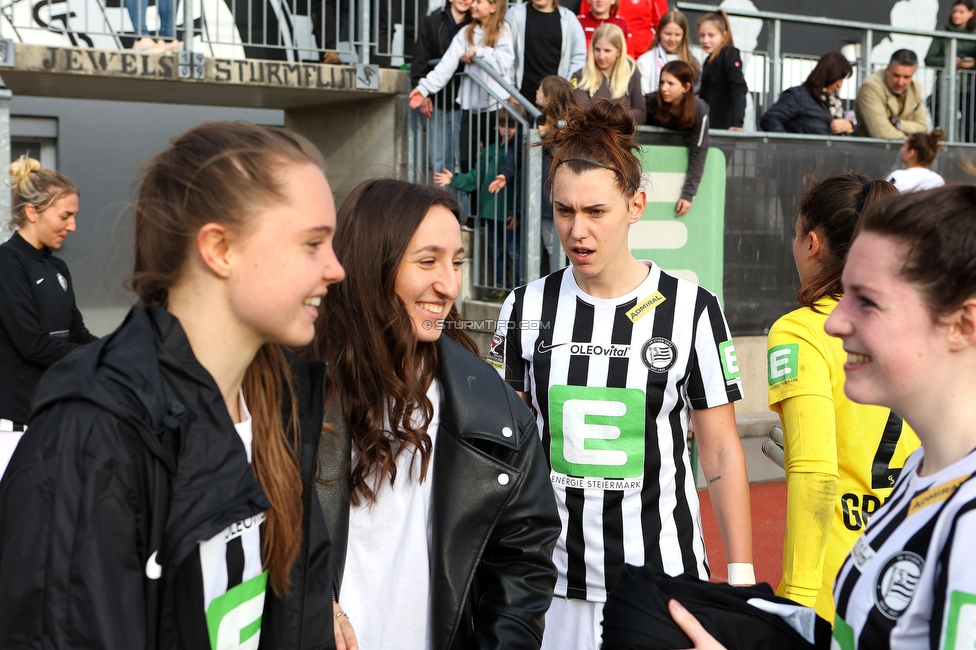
point(636, 615)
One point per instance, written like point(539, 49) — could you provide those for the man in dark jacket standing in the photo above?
point(436, 34)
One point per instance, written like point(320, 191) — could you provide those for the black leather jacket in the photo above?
point(492, 576)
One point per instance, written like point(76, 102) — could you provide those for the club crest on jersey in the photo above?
point(63, 282)
point(897, 581)
point(659, 354)
point(496, 352)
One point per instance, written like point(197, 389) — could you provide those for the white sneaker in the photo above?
point(144, 44)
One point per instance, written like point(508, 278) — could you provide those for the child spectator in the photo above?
point(918, 152)
point(554, 98)
point(670, 44)
point(642, 17)
point(497, 212)
point(610, 73)
point(675, 107)
point(722, 85)
point(437, 32)
point(490, 38)
point(603, 11)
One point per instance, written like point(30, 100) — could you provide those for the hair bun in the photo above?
point(604, 114)
point(21, 168)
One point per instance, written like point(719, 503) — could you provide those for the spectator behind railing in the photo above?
point(890, 103)
point(436, 34)
point(603, 11)
point(918, 152)
point(670, 44)
point(675, 107)
point(489, 37)
point(813, 107)
point(962, 20)
point(610, 73)
point(722, 85)
point(548, 40)
point(642, 18)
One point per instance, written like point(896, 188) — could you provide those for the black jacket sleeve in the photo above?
point(19, 318)
point(71, 564)
point(779, 114)
point(697, 141)
point(420, 64)
point(935, 57)
point(79, 333)
point(737, 85)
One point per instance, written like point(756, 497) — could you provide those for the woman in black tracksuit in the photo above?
point(162, 494)
point(39, 322)
point(723, 87)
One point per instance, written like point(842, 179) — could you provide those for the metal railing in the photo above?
point(476, 148)
point(776, 67)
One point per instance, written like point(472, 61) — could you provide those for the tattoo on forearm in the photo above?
point(717, 478)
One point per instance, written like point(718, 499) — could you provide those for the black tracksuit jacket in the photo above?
point(435, 36)
point(724, 89)
point(131, 456)
point(39, 322)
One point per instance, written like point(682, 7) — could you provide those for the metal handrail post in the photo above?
point(364, 29)
point(950, 98)
point(532, 209)
point(187, 26)
point(529, 107)
point(776, 55)
point(867, 44)
point(5, 96)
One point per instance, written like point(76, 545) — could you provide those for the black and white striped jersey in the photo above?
point(910, 580)
point(612, 381)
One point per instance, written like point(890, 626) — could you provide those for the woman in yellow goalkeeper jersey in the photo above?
point(841, 458)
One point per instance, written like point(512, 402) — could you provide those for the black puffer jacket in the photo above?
point(492, 576)
point(129, 460)
point(796, 111)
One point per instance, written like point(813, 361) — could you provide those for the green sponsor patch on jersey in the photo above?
point(784, 363)
point(597, 432)
point(234, 619)
point(843, 634)
point(730, 362)
point(961, 626)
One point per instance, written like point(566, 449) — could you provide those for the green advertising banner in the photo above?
point(691, 247)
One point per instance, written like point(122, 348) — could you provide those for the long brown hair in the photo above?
point(685, 115)
point(379, 371)
point(601, 136)
point(684, 51)
point(492, 29)
point(559, 96)
point(832, 66)
point(223, 172)
point(832, 208)
point(721, 21)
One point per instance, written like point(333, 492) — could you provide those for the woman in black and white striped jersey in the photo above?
point(616, 356)
point(908, 322)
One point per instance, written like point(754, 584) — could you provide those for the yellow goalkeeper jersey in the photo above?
point(842, 458)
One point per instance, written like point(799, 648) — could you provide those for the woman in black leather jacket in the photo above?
point(434, 483)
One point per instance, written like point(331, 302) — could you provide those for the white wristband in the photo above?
point(742, 573)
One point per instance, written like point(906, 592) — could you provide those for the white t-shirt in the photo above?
point(386, 581)
point(915, 179)
point(234, 581)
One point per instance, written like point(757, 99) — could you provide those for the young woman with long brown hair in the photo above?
point(674, 106)
point(616, 357)
point(160, 498)
point(434, 485)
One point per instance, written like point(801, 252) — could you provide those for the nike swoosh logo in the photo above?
point(39, 281)
point(543, 348)
point(153, 569)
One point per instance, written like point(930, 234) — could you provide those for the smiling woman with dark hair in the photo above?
point(814, 106)
point(434, 483)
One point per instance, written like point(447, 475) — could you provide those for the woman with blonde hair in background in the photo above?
point(39, 321)
point(611, 74)
point(162, 495)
